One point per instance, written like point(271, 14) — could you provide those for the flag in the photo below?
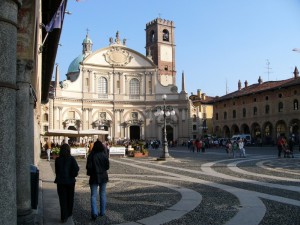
point(57, 19)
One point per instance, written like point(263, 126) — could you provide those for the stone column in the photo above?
point(24, 144)
point(8, 40)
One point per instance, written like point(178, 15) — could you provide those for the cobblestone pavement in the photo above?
point(198, 188)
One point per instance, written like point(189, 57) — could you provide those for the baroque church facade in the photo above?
point(117, 90)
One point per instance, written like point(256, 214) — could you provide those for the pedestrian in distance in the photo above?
point(48, 149)
point(242, 148)
point(97, 166)
point(66, 169)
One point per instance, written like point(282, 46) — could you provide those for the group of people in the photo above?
point(199, 145)
point(67, 169)
point(236, 147)
point(286, 146)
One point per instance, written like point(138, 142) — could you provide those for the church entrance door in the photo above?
point(134, 133)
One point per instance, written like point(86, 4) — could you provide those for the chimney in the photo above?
point(239, 85)
point(296, 72)
point(203, 96)
point(260, 80)
point(246, 83)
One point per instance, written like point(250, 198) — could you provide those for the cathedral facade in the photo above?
point(117, 90)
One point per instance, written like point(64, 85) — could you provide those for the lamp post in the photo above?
point(164, 111)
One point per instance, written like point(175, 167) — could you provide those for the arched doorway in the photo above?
point(245, 129)
point(235, 129)
point(72, 140)
point(226, 132)
point(135, 133)
point(267, 133)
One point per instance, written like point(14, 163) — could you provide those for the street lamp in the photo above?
point(164, 111)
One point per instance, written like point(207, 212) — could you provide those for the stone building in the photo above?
point(117, 90)
point(265, 110)
point(26, 70)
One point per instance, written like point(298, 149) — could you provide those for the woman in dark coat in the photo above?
point(66, 169)
point(97, 166)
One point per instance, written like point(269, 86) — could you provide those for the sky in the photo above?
point(218, 42)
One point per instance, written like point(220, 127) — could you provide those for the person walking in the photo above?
point(48, 149)
point(242, 149)
point(97, 166)
point(66, 169)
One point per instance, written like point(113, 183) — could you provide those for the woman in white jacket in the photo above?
point(241, 147)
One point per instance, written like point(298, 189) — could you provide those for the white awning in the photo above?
point(74, 133)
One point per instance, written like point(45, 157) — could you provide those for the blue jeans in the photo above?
point(94, 194)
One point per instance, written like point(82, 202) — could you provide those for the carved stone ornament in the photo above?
point(117, 56)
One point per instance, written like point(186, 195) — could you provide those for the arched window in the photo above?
point(244, 112)
point(102, 87)
point(267, 109)
point(296, 106)
point(280, 107)
point(152, 36)
point(165, 35)
point(134, 88)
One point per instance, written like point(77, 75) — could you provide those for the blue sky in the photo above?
point(217, 42)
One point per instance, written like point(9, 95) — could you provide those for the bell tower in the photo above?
point(160, 44)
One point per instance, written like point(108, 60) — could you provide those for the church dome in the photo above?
point(74, 66)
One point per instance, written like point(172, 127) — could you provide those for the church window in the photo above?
point(296, 107)
point(46, 117)
point(134, 88)
point(45, 128)
point(102, 87)
point(194, 127)
point(165, 35)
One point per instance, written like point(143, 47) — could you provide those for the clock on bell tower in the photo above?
point(160, 42)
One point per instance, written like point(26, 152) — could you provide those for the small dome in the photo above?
point(87, 40)
point(74, 66)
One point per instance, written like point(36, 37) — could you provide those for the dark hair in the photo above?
point(98, 147)
point(65, 150)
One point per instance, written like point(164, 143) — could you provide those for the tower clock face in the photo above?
point(166, 53)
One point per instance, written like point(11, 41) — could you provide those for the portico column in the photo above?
point(24, 145)
point(90, 118)
point(60, 118)
point(8, 89)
